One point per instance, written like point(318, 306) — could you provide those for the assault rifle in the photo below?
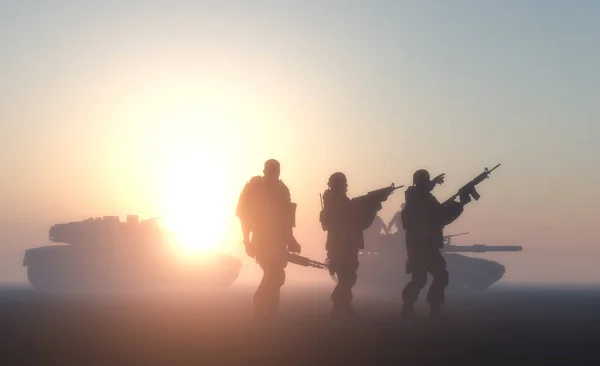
point(468, 191)
point(306, 262)
point(379, 195)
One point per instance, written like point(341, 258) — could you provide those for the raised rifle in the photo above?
point(379, 195)
point(468, 191)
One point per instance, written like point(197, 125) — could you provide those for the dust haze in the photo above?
point(167, 109)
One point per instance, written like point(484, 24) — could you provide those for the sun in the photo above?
point(198, 154)
point(196, 204)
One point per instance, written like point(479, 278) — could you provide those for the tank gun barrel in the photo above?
point(453, 235)
point(481, 248)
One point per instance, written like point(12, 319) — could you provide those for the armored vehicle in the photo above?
point(108, 254)
point(382, 264)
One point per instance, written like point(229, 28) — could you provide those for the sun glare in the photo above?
point(196, 203)
point(197, 143)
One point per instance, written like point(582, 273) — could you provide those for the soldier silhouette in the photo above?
point(344, 220)
point(424, 218)
point(266, 211)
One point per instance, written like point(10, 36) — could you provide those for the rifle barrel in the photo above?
point(471, 184)
point(494, 168)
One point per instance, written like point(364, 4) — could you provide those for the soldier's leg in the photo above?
point(352, 268)
point(335, 266)
point(436, 265)
point(261, 294)
point(411, 291)
point(276, 280)
point(266, 298)
point(346, 280)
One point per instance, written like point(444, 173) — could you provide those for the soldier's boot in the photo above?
point(408, 311)
point(261, 305)
point(272, 310)
point(336, 311)
point(258, 301)
point(259, 311)
point(350, 314)
point(271, 304)
point(343, 312)
point(435, 312)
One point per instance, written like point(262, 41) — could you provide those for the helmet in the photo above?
point(337, 180)
point(421, 177)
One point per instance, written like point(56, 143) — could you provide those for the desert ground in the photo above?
point(505, 325)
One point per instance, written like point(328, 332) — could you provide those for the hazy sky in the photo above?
point(167, 108)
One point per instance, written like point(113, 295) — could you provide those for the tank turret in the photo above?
point(105, 230)
point(104, 252)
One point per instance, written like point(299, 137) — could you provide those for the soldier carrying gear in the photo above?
point(344, 220)
point(424, 218)
point(266, 211)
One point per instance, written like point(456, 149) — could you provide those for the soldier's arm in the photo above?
point(245, 231)
point(287, 197)
point(364, 213)
point(451, 212)
point(242, 214)
point(292, 245)
point(446, 214)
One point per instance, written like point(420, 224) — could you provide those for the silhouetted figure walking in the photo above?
point(266, 211)
point(424, 218)
point(344, 220)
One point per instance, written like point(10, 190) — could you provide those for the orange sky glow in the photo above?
point(169, 118)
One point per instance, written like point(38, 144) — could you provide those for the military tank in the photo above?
point(106, 253)
point(382, 264)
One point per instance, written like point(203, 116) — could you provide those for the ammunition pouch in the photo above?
point(323, 220)
point(292, 218)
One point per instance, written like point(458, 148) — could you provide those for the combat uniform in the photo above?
point(424, 218)
point(266, 210)
point(344, 221)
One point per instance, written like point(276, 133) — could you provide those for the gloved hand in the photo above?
point(293, 246)
point(439, 179)
point(464, 198)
